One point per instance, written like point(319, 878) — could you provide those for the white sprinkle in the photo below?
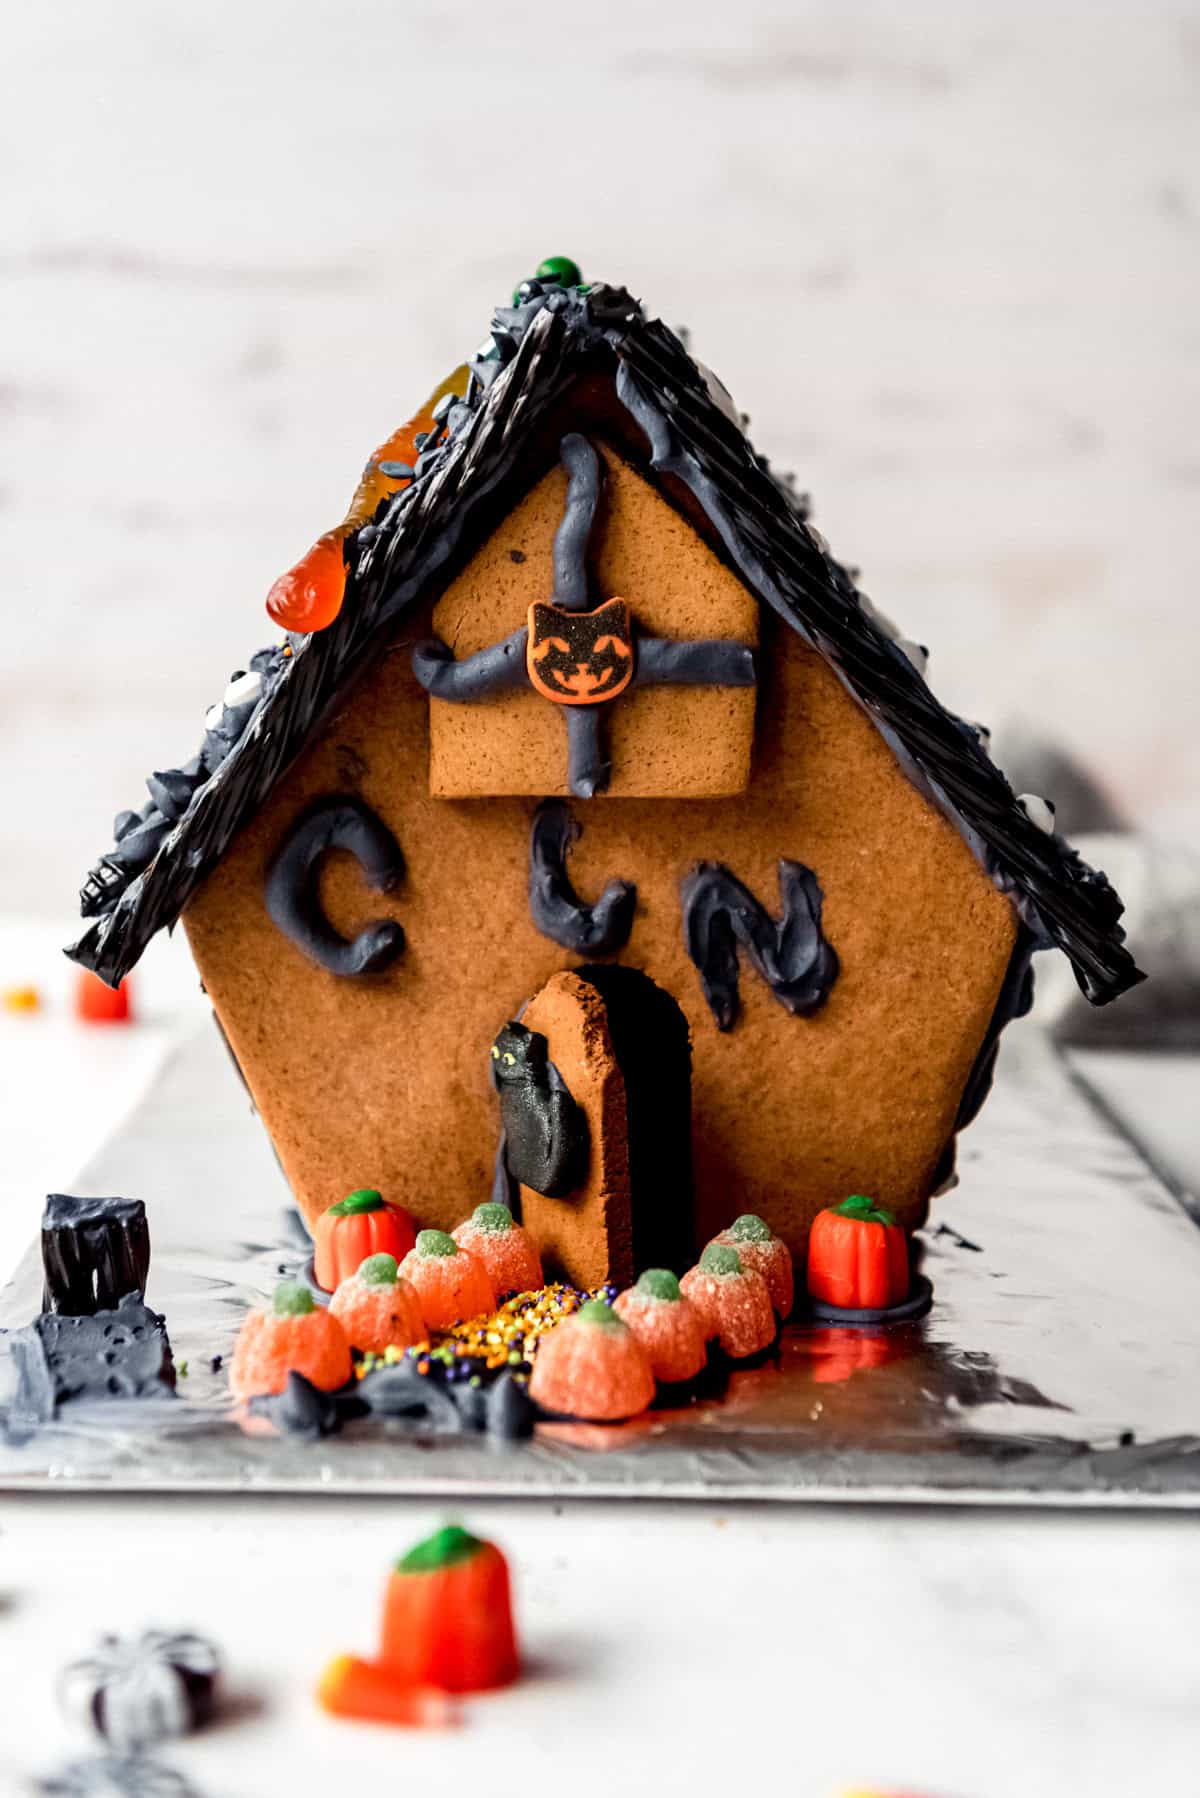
point(213, 717)
point(244, 689)
point(1039, 811)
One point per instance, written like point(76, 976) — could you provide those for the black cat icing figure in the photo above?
point(545, 1132)
point(580, 658)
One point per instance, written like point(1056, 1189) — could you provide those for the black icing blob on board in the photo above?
point(555, 907)
point(545, 1131)
point(94, 1251)
point(119, 1353)
point(721, 915)
point(292, 890)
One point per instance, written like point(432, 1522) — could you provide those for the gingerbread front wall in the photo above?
point(385, 1082)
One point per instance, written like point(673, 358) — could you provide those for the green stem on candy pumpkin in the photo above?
point(859, 1206)
point(436, 1242)
point(445, 1548)
point(364, 1199)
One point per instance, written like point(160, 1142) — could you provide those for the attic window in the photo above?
point(637, 682)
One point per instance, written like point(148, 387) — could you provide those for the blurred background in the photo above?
point(947, 257)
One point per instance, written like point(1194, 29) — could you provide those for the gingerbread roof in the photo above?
point(682, 432)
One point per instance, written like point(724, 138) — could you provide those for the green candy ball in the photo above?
point(659, 1283)
point(292, 1299)
point(749, 1228)
point(436, 1242)
point(560, 269)
point(379, 1270)
point(718, 1258)
point(492, 1219)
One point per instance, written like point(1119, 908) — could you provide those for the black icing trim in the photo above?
point(792, 955)
point(571, 538)
point(702, 662)
point(588, 767)
point(555, 907)
point(466, 482)
point(918, 1303)
point(293, 901)
point(499, 668)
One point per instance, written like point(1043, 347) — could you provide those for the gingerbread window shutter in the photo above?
point(595, 645)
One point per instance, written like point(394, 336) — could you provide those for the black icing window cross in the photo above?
point(581, 659)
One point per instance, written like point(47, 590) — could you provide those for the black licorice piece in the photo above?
point(721, 914)
point(136, 1691)
point(119, 1353)
point(546, 1133)
point(293, 901)
point(94, 1251)
point(555, 907)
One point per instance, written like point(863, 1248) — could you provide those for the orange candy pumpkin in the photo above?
point(447, 1616)
point(591, 1366)
point(294, 1336)
point(732, 1300)
point(449, 1282)
point(767, 1254)
point(858, 1257)
point(504, 1248)
point(667, 1325)
point(359, 1225)
point(377, 1309)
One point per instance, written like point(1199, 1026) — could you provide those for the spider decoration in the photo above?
point(580, 659)
point(138, 1690)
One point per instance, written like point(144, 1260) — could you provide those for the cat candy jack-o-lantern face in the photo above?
point(580, 658)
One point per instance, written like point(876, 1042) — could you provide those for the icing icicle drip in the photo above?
point(555, 907)
point(293, 901)
point(792, 955)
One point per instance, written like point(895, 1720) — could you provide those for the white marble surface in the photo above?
point(947, 257)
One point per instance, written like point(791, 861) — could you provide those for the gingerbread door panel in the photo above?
point(668, 732)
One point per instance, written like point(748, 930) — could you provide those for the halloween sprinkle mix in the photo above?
point(507, 1337)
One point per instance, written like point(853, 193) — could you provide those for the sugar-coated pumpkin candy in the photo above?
point(593, 1367)
point(371, 1693)
point(377, 1309)
point(359, 1225)
point(733, 1301)
point(447, 1615)
point(294, 1336)
point(858, 1256)
point(504, 1248)
point(450, 1283)
point(96, 1003)
point(767, 1254)
point(667, 1325)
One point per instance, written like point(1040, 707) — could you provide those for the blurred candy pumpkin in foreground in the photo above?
point(447, 1615)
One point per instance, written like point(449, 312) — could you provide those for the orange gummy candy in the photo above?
point(504, 1248)
point(592, 1366)
point(294, 1336)
point(309, 596)
point(449, 1282)
point(377, 1309)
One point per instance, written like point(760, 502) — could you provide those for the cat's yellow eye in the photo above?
point(510, 1059)
point(495, 1053)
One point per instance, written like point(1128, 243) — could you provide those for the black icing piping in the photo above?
point(467, 477)
point(293, 900)
point(575, 529)
point(721, 914)
point(555, 907)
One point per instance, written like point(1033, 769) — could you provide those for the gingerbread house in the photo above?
point(597, 738)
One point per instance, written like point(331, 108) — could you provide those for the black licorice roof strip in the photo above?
point(420, 537)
